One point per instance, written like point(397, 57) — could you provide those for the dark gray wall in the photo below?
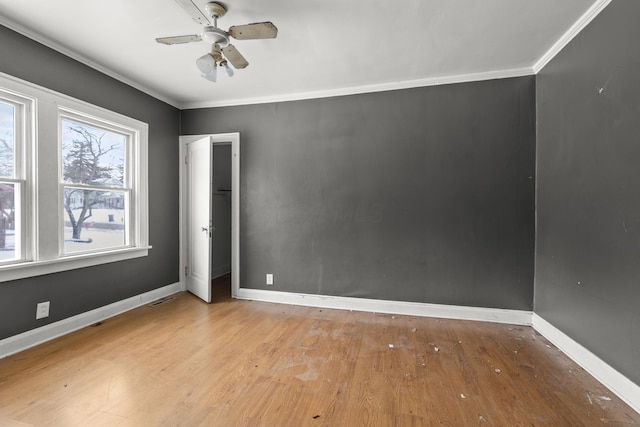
point(420, 195)
point(221, 208)
point(588, 241)
point(81, 290)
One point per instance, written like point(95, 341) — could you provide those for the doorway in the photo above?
point(221, 221)
point(209, 214)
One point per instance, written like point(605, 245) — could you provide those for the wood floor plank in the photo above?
point(244, 363)
point(7, 422)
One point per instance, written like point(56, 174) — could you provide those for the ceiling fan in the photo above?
point(221, 50)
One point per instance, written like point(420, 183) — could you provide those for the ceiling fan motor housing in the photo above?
point(214, 35)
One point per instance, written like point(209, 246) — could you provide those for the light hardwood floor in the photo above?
point(244, 363)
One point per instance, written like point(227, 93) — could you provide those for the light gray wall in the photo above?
point(221, 208)
point(82, 290)
point(416, 195)
point(588, 240)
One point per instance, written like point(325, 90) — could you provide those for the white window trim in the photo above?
point(42, 231)
point(24, 107)
point(129, 187)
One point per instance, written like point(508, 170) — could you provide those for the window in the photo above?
point(13, 120)
point(79, 202)
point(95, 185)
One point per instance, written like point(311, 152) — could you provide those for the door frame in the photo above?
point(218, 138)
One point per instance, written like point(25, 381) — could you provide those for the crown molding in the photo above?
point(571, 33)
point(355, 90)
point(39, 38)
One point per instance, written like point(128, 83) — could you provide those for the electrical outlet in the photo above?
point(269, 279)
point(42, 310)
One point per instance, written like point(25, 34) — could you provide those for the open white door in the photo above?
point(199, 227)
point(196, 180)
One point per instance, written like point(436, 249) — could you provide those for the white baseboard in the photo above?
point(495, 315)
point(20, 342)
point(620, 385)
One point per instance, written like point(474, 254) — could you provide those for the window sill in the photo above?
point(39, 268)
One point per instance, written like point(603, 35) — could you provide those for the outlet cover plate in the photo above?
point(42, 310)
point(269, 279)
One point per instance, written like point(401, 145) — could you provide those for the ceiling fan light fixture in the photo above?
point(206, 64)
point(212, 76)
point(227, 70)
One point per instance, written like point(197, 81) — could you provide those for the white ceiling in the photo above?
point(324, 47)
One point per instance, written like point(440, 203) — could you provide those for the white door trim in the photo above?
point(220, 138)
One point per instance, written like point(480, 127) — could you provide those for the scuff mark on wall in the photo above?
point(617, 77)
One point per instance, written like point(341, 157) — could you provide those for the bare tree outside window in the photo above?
point(95, 194)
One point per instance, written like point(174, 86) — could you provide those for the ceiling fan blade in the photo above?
point(259, 30)
point(179, 39)
point(235, 57)
point(193, 11)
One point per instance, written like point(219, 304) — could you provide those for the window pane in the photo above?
point(94, 219)
point(7, 222)
point(7, 126)
point(92, 156)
